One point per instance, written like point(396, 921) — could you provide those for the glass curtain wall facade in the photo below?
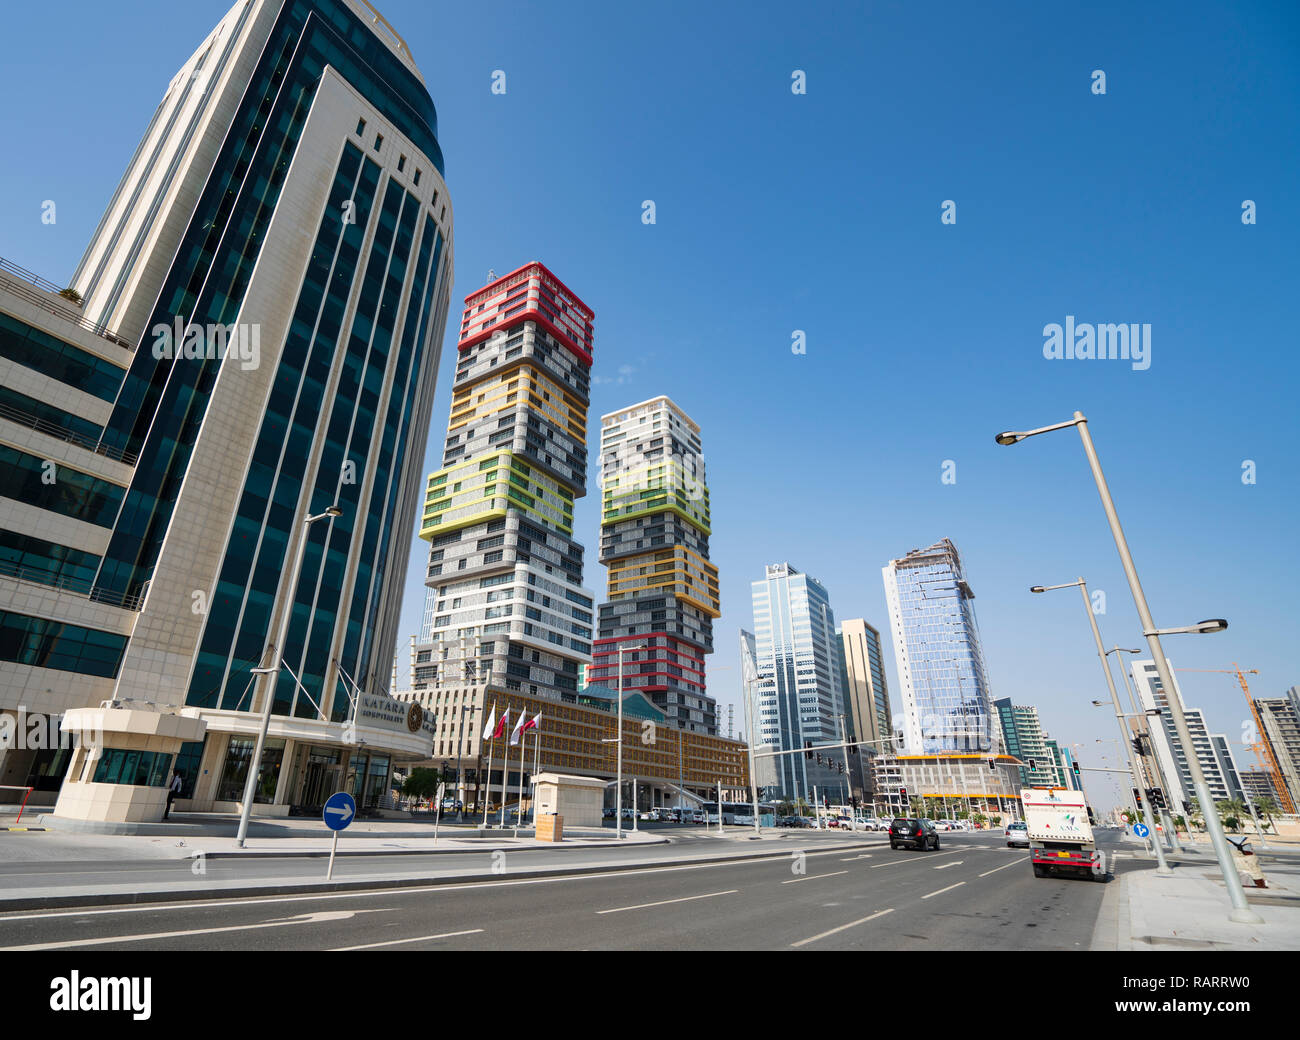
point(506, 602)
point(937, 649)
point(654, 538)
point(278, 256)
point(798, 693)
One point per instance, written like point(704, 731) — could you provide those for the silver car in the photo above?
point(1017, 833)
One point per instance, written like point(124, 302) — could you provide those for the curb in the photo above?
point(316, 887)
point(324, 853)
point(22, 828)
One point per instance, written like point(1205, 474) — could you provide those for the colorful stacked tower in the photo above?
point(505, 576)
point(663, 591)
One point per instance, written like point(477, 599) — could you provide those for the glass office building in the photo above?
point(277, 260)
point(798, 693)
point(937, 649)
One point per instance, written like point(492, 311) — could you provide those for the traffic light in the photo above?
point(1137, 745)
point(808, 754)
point(902, 792)
point(1157, 798)
point(1137, 797)
point(1032, 765)
point(819, 758)
point(1075, 764)
point(993, 765)
point(840, 767)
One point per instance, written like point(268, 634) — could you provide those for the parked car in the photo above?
point(697, 817)
point(1017, 833)
point(917, 833)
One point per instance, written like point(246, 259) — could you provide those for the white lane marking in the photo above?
point(814, 877)
point(954, 863)
point(389, 891)
point(1014, 863)
point(851, 924)
point(943, 890)
point(316, 918)
point(398, 942)
point(850, 859)
point(665, 902)
point(897, 862)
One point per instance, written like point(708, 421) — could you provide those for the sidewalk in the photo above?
point(215, 835)
point(1189, 909)
point(71, 870)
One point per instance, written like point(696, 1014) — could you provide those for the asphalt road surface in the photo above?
point(974, 893)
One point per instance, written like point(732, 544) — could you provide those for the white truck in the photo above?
point(1060, 834)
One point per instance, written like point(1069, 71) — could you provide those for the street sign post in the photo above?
point(339, 811)
point(1141, 830)
point(437, 813)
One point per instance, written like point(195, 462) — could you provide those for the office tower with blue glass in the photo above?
point(946, 702)
point(252, 336)
point(798, 692)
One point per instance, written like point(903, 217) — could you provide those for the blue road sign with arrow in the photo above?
point(1141, 830)
point(339, 811)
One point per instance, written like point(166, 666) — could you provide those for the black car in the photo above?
point(917, 833)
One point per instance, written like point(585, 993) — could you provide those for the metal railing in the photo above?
point(76, 586)
point(13, 276)
point(62, 433)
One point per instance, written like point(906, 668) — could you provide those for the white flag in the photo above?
point(491, 723)
point(519, 726)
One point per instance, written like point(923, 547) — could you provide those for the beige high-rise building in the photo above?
point(866, 693)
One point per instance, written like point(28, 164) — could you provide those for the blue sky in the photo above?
point(821, 213)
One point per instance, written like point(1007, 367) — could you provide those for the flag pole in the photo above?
point(519, 809)
point(505, 766)
point(487, 787)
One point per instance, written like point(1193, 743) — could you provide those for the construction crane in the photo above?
point(1263, 750)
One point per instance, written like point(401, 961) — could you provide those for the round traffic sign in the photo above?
point(340, 810)
point(1141, 830)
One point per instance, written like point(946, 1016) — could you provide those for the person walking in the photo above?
point(173, 791)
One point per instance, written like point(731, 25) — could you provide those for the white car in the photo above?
point(1017, 833)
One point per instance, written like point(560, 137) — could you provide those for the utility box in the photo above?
point(578, 799)
point(550, 827)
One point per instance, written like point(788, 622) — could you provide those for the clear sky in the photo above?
point(821, 212)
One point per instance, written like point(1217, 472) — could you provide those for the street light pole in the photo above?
point(1119, 712)
point(618, 793)
point(1170, 830)
point(1241, 911)
point(273, 669)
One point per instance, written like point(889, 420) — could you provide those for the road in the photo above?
point(974, 893)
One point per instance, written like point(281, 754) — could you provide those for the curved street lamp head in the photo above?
point(1212, 625)
point(1008, 438)
point(1037, 588)
point(334, 511)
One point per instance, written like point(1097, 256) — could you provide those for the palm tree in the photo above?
point(1268, 806)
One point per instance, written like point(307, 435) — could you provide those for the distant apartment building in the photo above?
point(1063, 764)
point(1256, 784)
point(946, 699)
point(1281, 718)
point(798, 691)
point(1212, 751)
point(504, 576)
point(1022, 735)
point(663, 594)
